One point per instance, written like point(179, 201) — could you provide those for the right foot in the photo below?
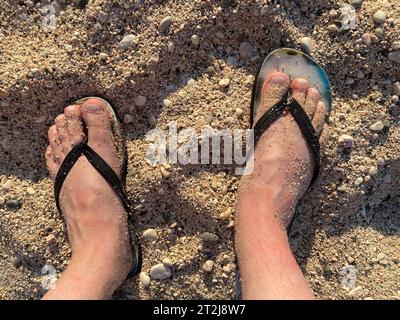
point(95, 217)
point(283, 162)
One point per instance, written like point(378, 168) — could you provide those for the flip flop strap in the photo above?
point(302, 120)
point(112, 179)
point(98, 163)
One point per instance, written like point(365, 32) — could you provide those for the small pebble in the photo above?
point(171, 47)
point(140, 101)
point(168, 262)
point(306, 44)
point(372, 171)
point(35, 72)
point(103, 57)
point(8, 184)
point(51, 239)
point(379, 16)
point(227, 269)
point(166, 103)
point(239, 112)
point(245, 50)
point(160, 272)
point(332, 28)
point(16, 261)
point(13, 204)
point(394, 56)
point(195, 40)
point(128, 41)
point(396, 88)
point(144, 279)
point(209, 237)
point(30, 191)
point(155, 58)
point(345, 141)
point(68, 48)
point(128, 119)
point(102, 17)
point(358, 181)
point(150, 234)
point(164, 172)
point(377, 126)
point(208, 266)
point(356, 3)
point(191, 82)
point(394, 99)
point(165, 24)
point(223, 83)
point(2, 201)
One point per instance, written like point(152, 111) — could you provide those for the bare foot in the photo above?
point(283, 164)
point(95, 217)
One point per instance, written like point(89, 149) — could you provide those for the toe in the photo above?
point(73, 115)
point(319, 117)
point(97, 119)
point(273, 90)
point(310, 104)
point(62, 131)
point(51, 165)
point(299, 88)
point(55, 145)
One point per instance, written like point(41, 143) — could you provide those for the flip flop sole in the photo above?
point(295, 64)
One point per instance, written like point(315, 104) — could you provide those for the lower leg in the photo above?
point(267, 266)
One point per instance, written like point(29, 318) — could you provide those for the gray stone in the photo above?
point(171, 47)
point(13, 204)
point(332, 28)
point(377, 126)
point(208, 266)
point(128, 119)
point(144, 279)
point(396, 88)
point(195, 40)
point(356, 3)
point(160, 272)
point(103, 56)
point(209, 237)
point(306, 44)
point(245, 49)
point(150, 234)
point(140, 101)
point(379, 16)
point(165, 24)
point(223, 83)
point(394, 56)
point(128, 41)
point(345, 141)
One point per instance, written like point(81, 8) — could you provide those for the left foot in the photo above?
point(95, 217)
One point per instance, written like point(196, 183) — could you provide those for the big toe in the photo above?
point(97, 118)
point(273, 90)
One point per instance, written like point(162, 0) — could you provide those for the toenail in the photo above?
point(278, 79)
point(93, 108)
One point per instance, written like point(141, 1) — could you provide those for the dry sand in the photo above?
point(349, 218)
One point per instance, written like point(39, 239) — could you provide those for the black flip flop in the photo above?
point(118, 185)
point(295, 64)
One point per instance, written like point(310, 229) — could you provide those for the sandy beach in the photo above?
point(194, 62)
